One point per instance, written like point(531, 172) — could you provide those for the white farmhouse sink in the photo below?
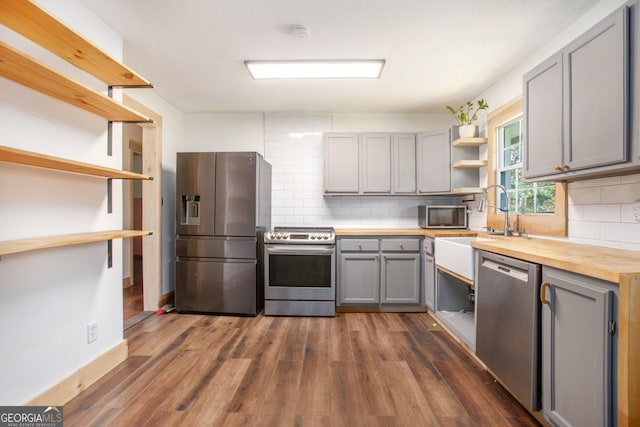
point(456, 255)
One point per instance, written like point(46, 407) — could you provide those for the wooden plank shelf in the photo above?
point(14, 155)
point(36, 243)
point(38, 25)
point(469, 142)
point(467, 190)
point(459, 164)
point(32, 73)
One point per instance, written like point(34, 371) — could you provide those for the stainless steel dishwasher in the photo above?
point(508, 324)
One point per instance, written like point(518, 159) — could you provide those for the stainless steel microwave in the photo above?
point(453, 216)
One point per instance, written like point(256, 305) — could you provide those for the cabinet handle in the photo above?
point(543, 293)
point(360, 246)
point(558, 168)
point(565, 166)
point(401, 246)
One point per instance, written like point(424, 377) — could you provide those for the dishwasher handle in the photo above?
point(508, 270)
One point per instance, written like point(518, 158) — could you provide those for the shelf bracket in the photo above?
point(109, 253)
point(110, 127)
point(109, 195)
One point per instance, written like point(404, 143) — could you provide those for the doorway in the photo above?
point(142, 259)
point(133, 283)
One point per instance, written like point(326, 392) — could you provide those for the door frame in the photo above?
point(151, 204)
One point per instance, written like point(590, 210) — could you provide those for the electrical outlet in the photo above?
point(92, 332)
point(635, 210)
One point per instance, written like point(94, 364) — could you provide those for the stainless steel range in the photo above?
point(300, 271)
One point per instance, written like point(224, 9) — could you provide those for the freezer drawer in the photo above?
point(218, 286)
point(216, 247)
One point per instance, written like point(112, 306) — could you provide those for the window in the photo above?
point(536, 197)
point(537, 208)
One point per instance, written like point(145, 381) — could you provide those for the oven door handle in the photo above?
point(300, 250)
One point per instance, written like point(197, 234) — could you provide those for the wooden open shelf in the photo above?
point(35, 243)
point(36, 24)
point(470, 164)
point(14, 155)
point(469, 142)
point(32, 73)
point(467, 190)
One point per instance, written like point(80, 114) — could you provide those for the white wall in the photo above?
point(599, 209)
point(298, 171)
point(224, 132)
point(48, 297)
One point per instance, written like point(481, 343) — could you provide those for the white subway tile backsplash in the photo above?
point(584, 196)
point(629, 179)
point(601, 182)
point(628, 233)
point(609, 213)
point(623, 193)
point(584, 229)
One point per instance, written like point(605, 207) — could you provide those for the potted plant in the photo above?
point(467, 114)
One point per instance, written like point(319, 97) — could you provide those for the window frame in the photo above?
point(531, 223)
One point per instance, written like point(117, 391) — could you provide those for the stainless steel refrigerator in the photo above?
point(223, 208)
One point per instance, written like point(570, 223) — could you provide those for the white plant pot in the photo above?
point(467, 131)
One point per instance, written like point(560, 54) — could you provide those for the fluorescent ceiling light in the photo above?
point(309, 69)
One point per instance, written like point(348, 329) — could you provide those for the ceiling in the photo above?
point(436, 52)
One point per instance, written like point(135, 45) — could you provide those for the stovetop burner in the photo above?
point(301, 235)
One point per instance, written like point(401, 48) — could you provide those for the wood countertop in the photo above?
point(595, 261)
point(403, 232)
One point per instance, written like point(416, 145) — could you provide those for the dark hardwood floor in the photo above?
point(132, 298)
point(357, 369)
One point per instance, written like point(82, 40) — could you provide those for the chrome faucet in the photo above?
point(483, 206)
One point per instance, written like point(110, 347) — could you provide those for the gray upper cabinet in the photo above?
point(341, 162)
point(577, 105)
point(596, 72)
point(403, 164)
point(375, 161)
point(434, 161)
point(543, 118)
point(579, 348)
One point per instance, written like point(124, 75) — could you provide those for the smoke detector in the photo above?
point(300, 32)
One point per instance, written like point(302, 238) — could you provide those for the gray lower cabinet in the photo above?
point(375, 271)
point(577, 104)
point(400, 278)
point(579, 349)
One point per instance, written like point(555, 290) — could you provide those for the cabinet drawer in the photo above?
point(359, 245)
point(400, 245)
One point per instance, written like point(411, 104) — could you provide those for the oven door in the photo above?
point(300, 272)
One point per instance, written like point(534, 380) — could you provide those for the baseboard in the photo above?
point(80, 380)
point(127, 282)
point(167, 298)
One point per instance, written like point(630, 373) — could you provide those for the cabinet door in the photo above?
point(375, 162)
point(596, 75)
point(543, 137)
point(341, 163)
point(430, 282)
point(359, 280)
point(434, 162)
point(404, 163)
point(401, 278)
point(576, 352)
